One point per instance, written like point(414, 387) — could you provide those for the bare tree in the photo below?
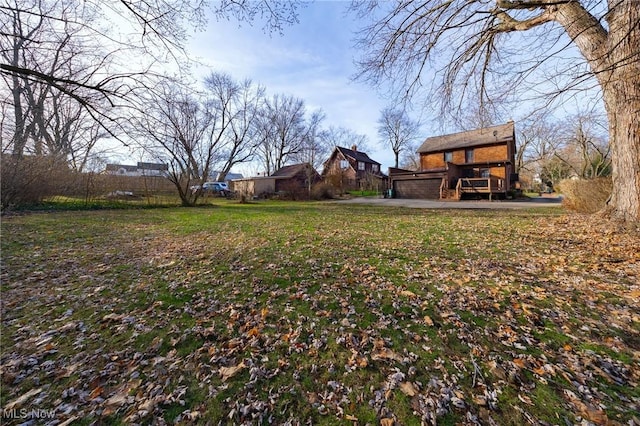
point(410, 160)
point(238, 104)
point(315, 148)
point(398, 130)
point(342, 136)
point(47, 121)
point(283, 131)
point(539, 139)
point(587, 150)
point(462, 48)
point(153, 32)
point(177, 129)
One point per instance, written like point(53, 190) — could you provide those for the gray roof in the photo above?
point(356, 155)
point(152, 166)
point(291, 171)
point(485, 136)
point(116, 167)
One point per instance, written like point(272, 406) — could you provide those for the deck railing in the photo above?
point(480, 185)
point(443, 188)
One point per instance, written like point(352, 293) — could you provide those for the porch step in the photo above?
point(449, 194)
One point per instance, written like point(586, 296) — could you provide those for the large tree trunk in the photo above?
point(614, 58)
point(623, 109)
point(621, 90)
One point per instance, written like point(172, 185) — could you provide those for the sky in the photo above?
point(312, 60)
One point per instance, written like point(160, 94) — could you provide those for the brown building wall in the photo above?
point(435, 160)
point(432, 161)
point(498, 172)
point(490, 153)
point(458, 156)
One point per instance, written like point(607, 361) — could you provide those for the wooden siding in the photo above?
point(432, 161)
point(485, 154)
point(489, 154)
point(498, 172)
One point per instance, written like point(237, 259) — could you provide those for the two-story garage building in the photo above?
point(471, 163)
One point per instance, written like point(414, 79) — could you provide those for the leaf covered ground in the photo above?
point(312, 313)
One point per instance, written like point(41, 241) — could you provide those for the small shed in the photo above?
point(255, 186)
point(293, 181)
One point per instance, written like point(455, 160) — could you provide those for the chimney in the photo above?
point(354, 147)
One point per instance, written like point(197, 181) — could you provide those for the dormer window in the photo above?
point(360, 165)
point(375, 168)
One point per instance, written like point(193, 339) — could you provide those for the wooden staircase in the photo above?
point(448, 194)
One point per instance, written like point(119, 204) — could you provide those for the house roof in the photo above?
point(485, 136)
point(229, 176)
point(139, 166)
point(356, 155)
point(152, 166)
point(116, 167)
point(290, 171)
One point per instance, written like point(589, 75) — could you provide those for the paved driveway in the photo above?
point(435, 204)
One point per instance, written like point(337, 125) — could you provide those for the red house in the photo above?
point(349, 169)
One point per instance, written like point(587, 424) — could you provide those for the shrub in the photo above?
point(585, 195)
point(322, 191)
point(29, 179)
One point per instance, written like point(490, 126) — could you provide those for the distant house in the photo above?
point(352, 169)
point(140, 169)
point(293, 181)
point(216, 175)
point(473, 163)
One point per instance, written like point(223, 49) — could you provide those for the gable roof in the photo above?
point(153, 166)
point(485, 136)
point(356, 155)
point(140, 166)
point(116, 167)
point(215, 174)
point(291, 171)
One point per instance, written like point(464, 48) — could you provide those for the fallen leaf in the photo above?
point(407, 293)
point(113, 317)
point(408, 388)
point(116, 400)
point(96, 392)
point(228, 372)
point(519, 362)
point(525, 399)
point(387, 354)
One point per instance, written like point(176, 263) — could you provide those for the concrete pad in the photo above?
point(467, 204)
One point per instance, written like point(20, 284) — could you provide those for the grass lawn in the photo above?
point(318, 313)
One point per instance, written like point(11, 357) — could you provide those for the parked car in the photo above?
point(217, 188)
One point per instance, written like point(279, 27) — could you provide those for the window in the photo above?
point(360, 165)
point(448, 157)
point(375, 168)
point(485, 173)
point(468, 155)
point(344, 164)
